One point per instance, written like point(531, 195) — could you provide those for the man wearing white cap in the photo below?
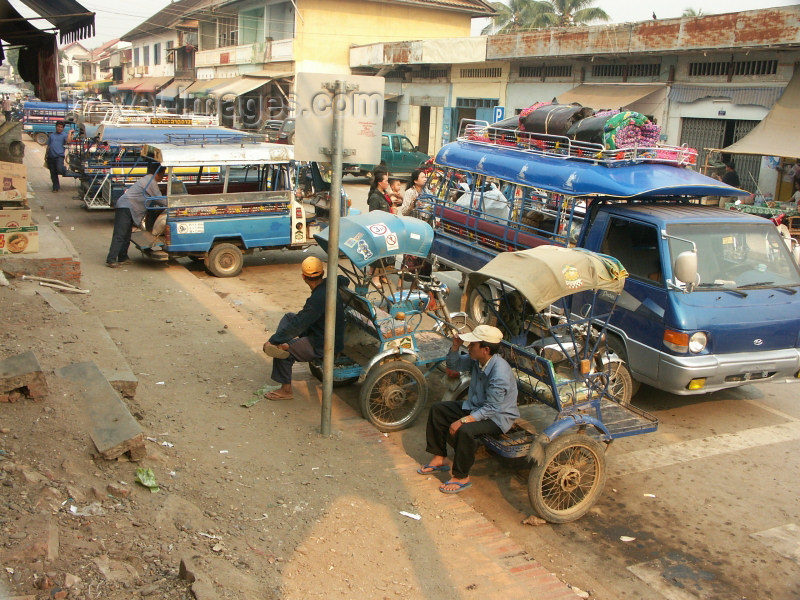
point(300, 337)
point(490, 406)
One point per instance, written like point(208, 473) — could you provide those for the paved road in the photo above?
point(710, 500)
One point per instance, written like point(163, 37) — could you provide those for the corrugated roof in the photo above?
point(163, 20)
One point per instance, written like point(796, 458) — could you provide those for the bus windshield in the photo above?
point(736, 255)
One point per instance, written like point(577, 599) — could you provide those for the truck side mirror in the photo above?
point(685, 269)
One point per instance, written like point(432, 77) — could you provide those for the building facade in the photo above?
point(706, 80)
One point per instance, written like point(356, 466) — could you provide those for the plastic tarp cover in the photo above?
point(546, 274)
point(778, 133)
point(377, 234)
point(607, 96)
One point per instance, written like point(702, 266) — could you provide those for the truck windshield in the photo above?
point(737, 256)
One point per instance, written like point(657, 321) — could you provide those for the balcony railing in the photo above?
point(263, 52)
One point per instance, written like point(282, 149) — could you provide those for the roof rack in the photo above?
point(204, 139)
point(482, 132)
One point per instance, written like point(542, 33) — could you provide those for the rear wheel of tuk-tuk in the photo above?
point(565, 485)
point(41, 138)
point(393, 395)
point(225, 260)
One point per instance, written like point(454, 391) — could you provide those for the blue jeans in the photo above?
point(56, 166)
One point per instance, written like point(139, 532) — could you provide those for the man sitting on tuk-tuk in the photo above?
point(301, 336)
point(490, 406)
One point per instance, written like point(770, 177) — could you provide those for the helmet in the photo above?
point(312, 267)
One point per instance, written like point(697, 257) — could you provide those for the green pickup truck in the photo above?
point(399, 154)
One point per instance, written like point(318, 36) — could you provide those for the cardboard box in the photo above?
point(13, 182)
point(19, 240)
point(12, 218)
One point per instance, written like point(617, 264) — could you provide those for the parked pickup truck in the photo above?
point(711, 298)
point(397, 152)
point(254, 206)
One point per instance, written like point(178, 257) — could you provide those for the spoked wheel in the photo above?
point(570, 479)
point(618, 347)
point(393, 395)
point(477, 307)
point(620, 383)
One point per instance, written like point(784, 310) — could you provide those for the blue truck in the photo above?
point(39, 119)
point(711, 299)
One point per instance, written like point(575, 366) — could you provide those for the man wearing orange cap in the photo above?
point(300, 337)
point(490, 406)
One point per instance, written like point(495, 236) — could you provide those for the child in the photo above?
point(395, 195)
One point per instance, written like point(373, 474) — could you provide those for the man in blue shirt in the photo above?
point(130, 211)
point(54, 153)
point(300, 337)
point(490, 406)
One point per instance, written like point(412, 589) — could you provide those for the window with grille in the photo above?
point(431, 74)
point(739, 67)
point(146, 55)
point(484, 73)
point(227, 33)
point(634, 70)
point(477, 102)
point(546, 71)
point(135, 57)
point(156, 54)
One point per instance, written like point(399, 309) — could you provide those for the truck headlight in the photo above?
point(697, 342)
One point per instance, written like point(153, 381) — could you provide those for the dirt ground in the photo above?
point(254, 502)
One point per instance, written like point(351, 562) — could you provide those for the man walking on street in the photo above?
point(300, 337)
point(130, 212)
point(7, 108)
point(54, 153)
point(490, 406)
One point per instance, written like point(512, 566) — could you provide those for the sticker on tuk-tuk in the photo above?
point(363, 249)
point(391, 242)
point(572, 278)
point(350, 242)
point(378, 229)
point(191, 227)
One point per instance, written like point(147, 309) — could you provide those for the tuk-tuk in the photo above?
point(398, 332)
point(573, 394)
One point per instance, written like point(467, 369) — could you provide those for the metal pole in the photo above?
point(331, 289)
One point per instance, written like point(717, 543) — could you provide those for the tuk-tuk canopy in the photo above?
point(155, 134)
point(575, 177)
point(546, 274)
point(221, 154)
point(368, 237)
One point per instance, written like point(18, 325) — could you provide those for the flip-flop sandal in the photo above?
point(275, 396)
point(433, 469)
point(461, 487)
point(274, 351)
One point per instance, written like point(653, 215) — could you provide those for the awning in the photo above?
point(150, 85)
point(80, 84)
point(100, 83)
point(73, 21)
point(778, 133)
point(239, 87)
point(202, 87)
point(128, 85)
point(607, 96)
point(173, 89)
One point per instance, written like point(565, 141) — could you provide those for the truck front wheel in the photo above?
point(225, 260)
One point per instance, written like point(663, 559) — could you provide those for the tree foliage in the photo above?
point(524, 15)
